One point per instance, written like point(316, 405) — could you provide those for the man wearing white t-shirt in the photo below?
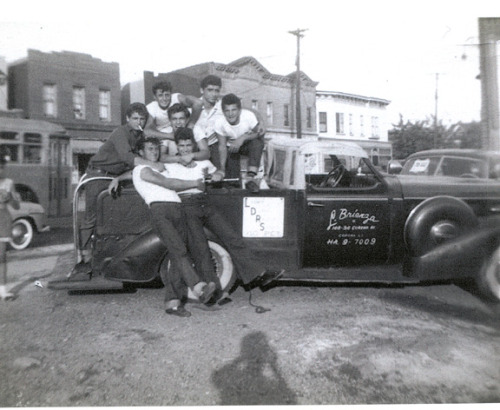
point(238, 134)
point(200, 213)
point(158, 189)
point(158, 124)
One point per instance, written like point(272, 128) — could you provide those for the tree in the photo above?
point(408, 137)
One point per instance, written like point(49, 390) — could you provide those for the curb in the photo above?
point(39, 252)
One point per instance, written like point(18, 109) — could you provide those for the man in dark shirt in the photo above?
point(116, 156)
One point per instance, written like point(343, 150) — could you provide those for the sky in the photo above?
point(402, 51)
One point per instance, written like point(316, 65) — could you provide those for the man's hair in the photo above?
point(230, 99)
point(137, 107)
point(210, 80)
point(163, 86)
point(184, 133)
point(178, 107)
point(142, 142)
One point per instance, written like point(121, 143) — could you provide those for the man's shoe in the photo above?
point(269, 277)
point(178, 311)
point(207, 292)
point(252, 186)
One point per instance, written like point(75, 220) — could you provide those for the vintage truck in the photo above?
point(327, 216)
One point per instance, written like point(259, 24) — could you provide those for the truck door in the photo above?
point(347, 226)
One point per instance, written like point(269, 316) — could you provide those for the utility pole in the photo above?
point(436, 110)
point(299, 35)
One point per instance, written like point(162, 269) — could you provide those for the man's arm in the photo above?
point(261, 127)
point(148, 175)
point(235, 145)
point(115, 182)
point(196, 107)
point(151, 131)
point(222, 152)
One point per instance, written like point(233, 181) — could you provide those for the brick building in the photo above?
point(356, 118)
point(273, 95)
point(74, 90)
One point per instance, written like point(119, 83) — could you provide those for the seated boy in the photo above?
point(179, 116)
point(158, 124)
point(238, 134)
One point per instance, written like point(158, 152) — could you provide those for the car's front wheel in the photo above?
point(22, 234)
point(223, 267)
point(488, 281)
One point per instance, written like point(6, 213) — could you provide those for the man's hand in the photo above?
point(235, 145)
point(200, 184)
point(114, 188)
point(217, 176)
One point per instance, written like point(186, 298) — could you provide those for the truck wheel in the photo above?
point(488, 281)
point(223, 267)
point(435, 221)
point(22, 234)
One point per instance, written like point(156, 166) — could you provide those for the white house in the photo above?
point(356, 118)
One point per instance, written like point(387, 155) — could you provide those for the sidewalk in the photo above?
point(34, 263)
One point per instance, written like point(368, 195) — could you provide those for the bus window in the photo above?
point(32, 148)
point(12, 152)
point(9, 135)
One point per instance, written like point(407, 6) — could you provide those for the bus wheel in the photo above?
point(488, 281)
point(22, 234)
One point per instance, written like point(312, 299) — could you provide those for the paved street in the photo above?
point(316, 345)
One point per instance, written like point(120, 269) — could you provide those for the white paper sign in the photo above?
point(263, 217)
point(419, 166)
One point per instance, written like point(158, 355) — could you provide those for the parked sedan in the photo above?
point(27, 220)
point(465, 163)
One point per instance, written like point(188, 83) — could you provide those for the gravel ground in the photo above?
point(316, 345)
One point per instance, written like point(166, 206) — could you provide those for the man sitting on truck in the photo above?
point(238, 134)
point(200, 213)
point(159, 192)
point(116, 156)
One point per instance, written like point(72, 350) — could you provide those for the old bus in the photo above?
point(40, 162)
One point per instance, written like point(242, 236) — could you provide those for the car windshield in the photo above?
point(446, 166)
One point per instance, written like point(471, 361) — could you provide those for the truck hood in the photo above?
point(425, 187)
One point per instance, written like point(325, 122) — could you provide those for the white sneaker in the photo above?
point(4, 295)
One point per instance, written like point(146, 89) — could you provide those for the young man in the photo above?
point(199, 213)
point(159, 192)
point(210, 88)
point(179, 116)
point(116, 156)
point(159, 124)
point(238, 133)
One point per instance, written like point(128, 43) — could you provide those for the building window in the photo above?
point(375, 128)
point(309, 118)
point(351, 131)
point(79, 103)
point(286, 115)
point(50, 100)
point(322, 122)
point(255, 105)
point(269, 112)
point(339, 118)
point(104, 105)
point(362, 125)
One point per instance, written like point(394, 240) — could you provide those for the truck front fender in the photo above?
point(139, 261)
point(458, 258)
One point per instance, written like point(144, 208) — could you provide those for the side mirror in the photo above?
point(394, 167)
